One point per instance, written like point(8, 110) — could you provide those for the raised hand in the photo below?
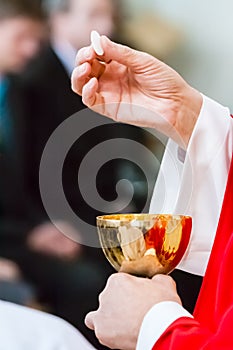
point(135, 88)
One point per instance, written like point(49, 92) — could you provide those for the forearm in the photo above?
point(186, 111)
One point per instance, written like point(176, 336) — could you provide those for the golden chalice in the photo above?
point(144, 244)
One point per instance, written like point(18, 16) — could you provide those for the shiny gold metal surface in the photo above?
point(144, 244)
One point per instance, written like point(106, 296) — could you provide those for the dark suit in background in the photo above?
point(41, 99)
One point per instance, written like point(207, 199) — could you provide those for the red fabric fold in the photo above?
point(212, 326)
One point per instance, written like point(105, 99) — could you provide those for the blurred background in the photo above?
point(201, 49)
point(39, 266)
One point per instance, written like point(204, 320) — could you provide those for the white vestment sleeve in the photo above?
point(194, 183)
point(156, 321)
point(22, 328)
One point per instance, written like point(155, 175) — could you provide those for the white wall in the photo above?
point(206, 57)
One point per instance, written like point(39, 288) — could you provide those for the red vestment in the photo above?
point(212, 326)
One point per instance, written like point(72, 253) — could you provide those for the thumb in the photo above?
point(89, 320)
point(122, 54)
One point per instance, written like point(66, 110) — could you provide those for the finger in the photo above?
point(122, 54)
point(97, 69)
point(80, 77)
point(86, 54)
point(90, 95)
point(89, 320)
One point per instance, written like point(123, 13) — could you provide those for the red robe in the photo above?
point(212, 326)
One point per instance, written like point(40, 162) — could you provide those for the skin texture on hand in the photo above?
point(124, 303)
point(133, 79)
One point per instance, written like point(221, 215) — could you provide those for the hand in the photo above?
point(48, 239)
point(124, 303)
point(133, 80)
point(9, 271)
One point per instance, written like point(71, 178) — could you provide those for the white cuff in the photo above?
point(157, 320)
point(193, 183)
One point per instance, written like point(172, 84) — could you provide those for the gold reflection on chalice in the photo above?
point(144, 244)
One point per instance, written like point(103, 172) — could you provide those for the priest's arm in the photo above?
point(201, 131)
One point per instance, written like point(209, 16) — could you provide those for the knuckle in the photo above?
point(171, 280)
point(159, 278)
point(117, 279)
point(104, 339)
point(165, 279)
point(101, 339)
point(113, 278)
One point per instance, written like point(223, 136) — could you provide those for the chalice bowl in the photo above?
point(144, 244)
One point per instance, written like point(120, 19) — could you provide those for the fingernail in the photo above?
point(87, 54)
point(83, 68)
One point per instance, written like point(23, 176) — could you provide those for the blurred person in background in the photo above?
point(43, 101)
point(21, 33)
point(67, 275)
point(14, 288)
point(66, 280)
point(46, 103)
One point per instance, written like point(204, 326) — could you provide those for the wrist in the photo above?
point(187, 116)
